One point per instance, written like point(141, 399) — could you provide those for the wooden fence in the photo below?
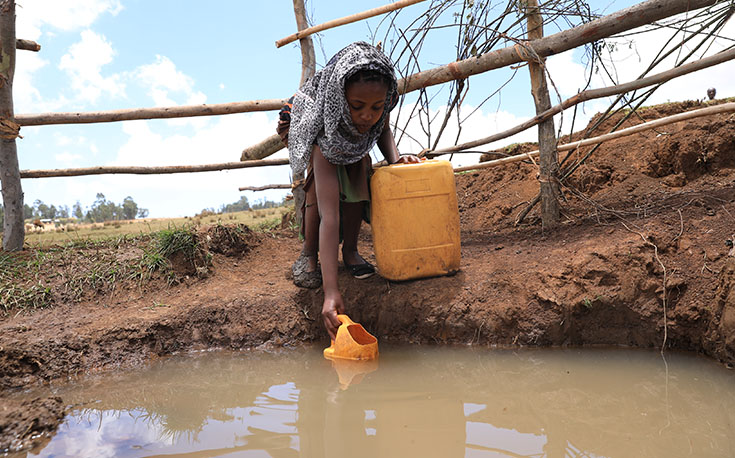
point(530, 51)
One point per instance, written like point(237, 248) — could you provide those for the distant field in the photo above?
point(112, 229)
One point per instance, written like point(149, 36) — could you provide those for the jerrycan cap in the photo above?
point(352, 342)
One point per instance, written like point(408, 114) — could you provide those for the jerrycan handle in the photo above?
point(344, 319)
point(422, 159)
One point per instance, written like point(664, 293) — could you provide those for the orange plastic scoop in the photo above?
point(352, 342)
point(351, 372)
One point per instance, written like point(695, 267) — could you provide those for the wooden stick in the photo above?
point(548, 159)
point(263, 149)
point(724, 108)
point(263, 188)
point(595, 94)
point(149, 170)
point(183, 111)
point(308, 69)
point(27, 45)
point(345, 20)
point(308, 58)
point(12, 192)
point(620, 21)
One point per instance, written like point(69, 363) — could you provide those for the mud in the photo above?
point(641, 259)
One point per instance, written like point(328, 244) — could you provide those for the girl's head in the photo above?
point(343, 106)
point(366, 92)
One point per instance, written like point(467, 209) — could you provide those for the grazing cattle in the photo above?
point(37, 223)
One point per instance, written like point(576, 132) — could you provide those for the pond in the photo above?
point(415, 401)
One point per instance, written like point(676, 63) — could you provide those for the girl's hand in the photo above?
point(408, 159)
point(333, 306)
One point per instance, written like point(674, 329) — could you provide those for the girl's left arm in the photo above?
point(387, 146)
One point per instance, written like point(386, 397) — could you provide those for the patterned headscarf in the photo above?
point(320, 111)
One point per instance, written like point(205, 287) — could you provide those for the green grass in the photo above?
point(37, 277)
point(20, 284)
point(84, 233)
point(82, 263)
point(173, 240)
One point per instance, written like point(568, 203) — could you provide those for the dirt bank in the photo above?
point(641, 259)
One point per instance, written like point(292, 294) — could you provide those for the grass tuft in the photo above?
point(177, 240)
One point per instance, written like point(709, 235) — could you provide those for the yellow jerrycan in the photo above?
point(415, 220)
point(352, 342)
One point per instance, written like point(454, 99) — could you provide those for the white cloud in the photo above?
point(65, 143)
point(567, 75)
point(221, 142)
point(163, 78)
point(67, 158)
point(62, 140)
point(103, 434)
point(25, 95)
point(163, 82)
point(83, 64)
point(36, 20)
point(68, 15)
point(65, 140)
point(186, 194)
point(478, 125)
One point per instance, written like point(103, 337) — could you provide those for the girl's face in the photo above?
point(366, 100)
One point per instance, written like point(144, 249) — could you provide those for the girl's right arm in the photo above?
point(327, 196)
point(387, 146)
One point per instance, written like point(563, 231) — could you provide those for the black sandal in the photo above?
point(302, 276)
point(361, 271)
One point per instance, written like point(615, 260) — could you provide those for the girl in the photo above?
point(336, 118)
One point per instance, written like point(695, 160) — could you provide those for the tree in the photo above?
point(239, 206)
point(106, 210)
point(129, 208)
point(263, 203)
point(77, 211)
point(27, 211)
point(40, 209)
point(103, 210)
point(63, 211)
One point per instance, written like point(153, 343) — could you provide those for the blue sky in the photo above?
point(112, 54)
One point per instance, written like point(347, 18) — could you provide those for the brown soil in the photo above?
point(641, 259)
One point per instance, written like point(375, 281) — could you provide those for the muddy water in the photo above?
point(416, 402)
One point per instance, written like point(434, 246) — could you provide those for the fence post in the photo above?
point(548, 159)
point(13, 229)
point(308, 67)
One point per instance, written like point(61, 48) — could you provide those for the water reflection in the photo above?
point(351, 372)
point(428, 402)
